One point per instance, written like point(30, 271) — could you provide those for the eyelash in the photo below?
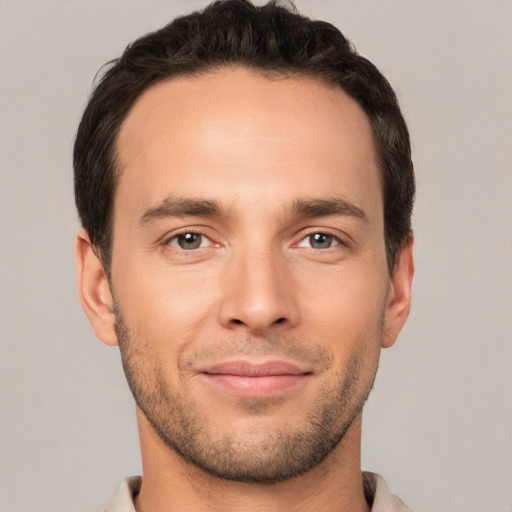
point(333, 238)
point(176, 237)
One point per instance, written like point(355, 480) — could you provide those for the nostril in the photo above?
point(237, 321)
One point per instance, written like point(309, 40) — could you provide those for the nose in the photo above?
point(258, 294)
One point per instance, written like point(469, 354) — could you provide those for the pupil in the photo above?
point(189, 241)
point(320, 241)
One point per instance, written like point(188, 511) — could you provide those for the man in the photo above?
point(244, 183)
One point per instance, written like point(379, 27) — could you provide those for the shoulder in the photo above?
point(379, 496)
point(123, 501)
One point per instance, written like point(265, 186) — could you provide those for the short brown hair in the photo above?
point(269, 38)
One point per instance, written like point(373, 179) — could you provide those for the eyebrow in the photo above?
point(177, 207)
point(327, 207)
point(171, 207)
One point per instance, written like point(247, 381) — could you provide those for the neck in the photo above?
point(170, 482)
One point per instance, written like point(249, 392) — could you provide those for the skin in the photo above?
point(258, 288)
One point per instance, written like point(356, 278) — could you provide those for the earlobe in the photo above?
point(94, 290)
point(399, 295)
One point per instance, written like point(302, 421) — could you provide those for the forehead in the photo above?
point(234, 132)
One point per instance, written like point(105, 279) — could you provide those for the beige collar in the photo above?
point(375, 488)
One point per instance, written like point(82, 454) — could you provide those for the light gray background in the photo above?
point(438, 425)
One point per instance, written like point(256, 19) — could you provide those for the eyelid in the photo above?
point(341, 239)
point(335, 242)
point(173, 241)
point(167, 239)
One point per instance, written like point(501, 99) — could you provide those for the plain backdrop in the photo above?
point(438, 425)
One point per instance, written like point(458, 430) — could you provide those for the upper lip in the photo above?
point(251, 369)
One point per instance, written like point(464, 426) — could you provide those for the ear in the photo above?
point(94, 290)
point(399, 295)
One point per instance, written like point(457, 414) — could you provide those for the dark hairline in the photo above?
point(269, 74)
point(330, 59)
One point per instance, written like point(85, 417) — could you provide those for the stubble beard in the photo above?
point(275, 456)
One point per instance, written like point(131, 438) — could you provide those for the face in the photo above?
point(248, 266)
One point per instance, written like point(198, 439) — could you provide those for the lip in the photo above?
point(248, 379)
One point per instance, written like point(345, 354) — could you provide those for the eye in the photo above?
point(319, 241)
point(189, 241)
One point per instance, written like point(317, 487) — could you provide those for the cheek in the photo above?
point(347, 308)
point(165, 304)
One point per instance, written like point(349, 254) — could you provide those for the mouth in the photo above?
point(247, 379)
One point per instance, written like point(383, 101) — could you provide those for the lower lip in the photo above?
point(260, 386)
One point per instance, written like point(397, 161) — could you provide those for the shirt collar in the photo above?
point(375, 488)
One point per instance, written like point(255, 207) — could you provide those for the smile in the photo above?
point(246, 379)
